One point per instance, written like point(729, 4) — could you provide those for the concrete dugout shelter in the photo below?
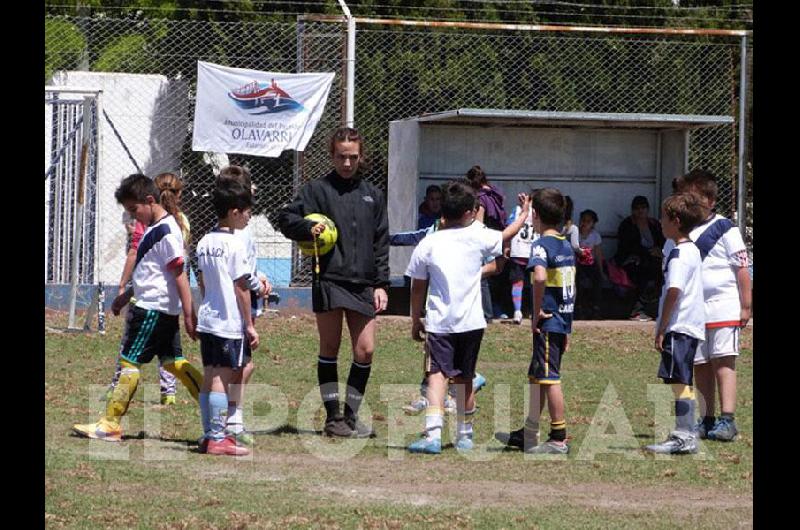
point(602, 160)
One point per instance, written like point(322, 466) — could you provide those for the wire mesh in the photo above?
point(400, 72)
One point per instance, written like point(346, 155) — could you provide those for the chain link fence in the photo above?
point(147, 71)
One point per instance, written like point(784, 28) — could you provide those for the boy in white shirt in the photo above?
point(680, 326)
point(450, 260)
point(224, 322)
point(728, 301)
point(161, 289)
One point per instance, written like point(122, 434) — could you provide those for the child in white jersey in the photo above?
point(451, 260)
point(728, 298)
point(224, 322)
point(520, 253)
point(260, 288)
point(161, 289)
point(681, 317)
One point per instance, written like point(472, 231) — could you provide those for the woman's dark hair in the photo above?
point(349, 134)
point(476, 177)
point(568, 207)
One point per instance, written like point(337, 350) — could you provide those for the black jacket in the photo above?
point(629, 240)
point(358, 209)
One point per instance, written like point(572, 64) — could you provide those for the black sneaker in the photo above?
point(517, 439)
point(337, 426)
point(357, 428)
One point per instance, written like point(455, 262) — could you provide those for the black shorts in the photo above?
point(327, 295)
point(677, 358)
point(149, 333)
point(227, 353)
point(545, 367)
point(516, 271)
point(453, 354)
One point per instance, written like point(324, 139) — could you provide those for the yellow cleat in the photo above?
point(101, 430)
point(168, 399)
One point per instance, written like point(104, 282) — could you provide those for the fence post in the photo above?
point(80, 193)
point(741, 214)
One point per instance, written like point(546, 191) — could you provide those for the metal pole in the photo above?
point(351, 65)
point(80, 193)
point(299, 159)
point(741, 214)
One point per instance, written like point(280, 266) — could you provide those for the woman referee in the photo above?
point(353, 277)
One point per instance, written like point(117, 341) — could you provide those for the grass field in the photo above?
point(295, 478)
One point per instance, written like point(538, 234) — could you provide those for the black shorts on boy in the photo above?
point(454, 354)
point(677, 358)
point(224, 352)
point(150, 333)
point(545, 367)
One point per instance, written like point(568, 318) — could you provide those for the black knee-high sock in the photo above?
point(356, 384)
point(328, 377)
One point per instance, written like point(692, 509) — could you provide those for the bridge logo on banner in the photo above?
point(263, 99)
point(266, 114)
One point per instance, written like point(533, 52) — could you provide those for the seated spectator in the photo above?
point(589, 268)
point(639, 241)
point(431, 208)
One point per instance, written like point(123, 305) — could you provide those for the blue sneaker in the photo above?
point(702, 428)
point(426, 445)
point(478, 382)
point(724, 430)
point(464, 444)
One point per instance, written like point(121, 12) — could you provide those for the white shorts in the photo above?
point(720, 342)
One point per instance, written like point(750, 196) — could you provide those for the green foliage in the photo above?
point(128, 53)
point(64, 46)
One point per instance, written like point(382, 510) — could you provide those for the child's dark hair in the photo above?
point(569, 206)
point(699, 180)
point(687, 207)
point(640, 200)
point(433, 188)
point(237, 173)
point(476, 177)
point(230, 194)
point(136, 188)
point(457, 198)
point(550, 205)
point(592, 215)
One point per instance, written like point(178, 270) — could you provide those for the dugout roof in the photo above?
point(573, 119)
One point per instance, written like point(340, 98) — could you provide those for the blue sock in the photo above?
point(218, 405)
point(205, 413)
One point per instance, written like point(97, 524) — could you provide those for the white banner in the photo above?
point(256, 113)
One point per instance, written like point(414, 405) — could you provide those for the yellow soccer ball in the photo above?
point(325, 241)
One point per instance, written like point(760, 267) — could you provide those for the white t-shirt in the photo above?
point(591, 240)
point(721, 242)
point(222, 258)
point(154, 285)
point(451, 260)
point(249, 243)
point(573, 235)
point(683, 269)
point(521, 243)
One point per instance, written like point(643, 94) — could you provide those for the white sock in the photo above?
point(433, 425)
point(235, 423)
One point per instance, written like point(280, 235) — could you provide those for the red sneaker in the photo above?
point(226, 446)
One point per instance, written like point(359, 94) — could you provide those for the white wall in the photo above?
point(151, 115)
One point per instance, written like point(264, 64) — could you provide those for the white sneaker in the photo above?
point(416, 406)
point(517, 317)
